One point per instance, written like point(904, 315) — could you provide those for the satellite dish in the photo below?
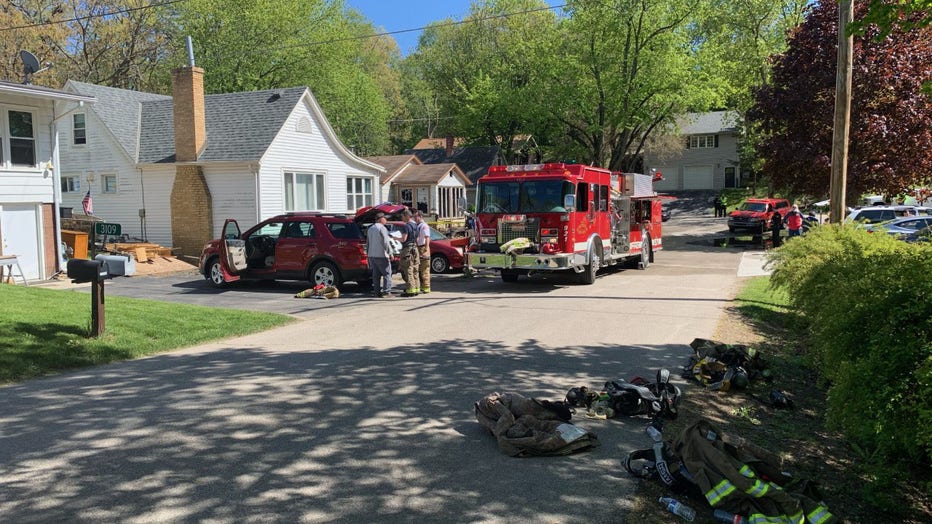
point(31, 65)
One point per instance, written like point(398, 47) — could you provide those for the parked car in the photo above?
point(445, 254)
point(875, 214)
point(321, 248)
point(755, 213)
point(902, 226)
point(922, 235)
point(665, 214)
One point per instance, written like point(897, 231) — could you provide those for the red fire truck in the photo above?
point(564, 217)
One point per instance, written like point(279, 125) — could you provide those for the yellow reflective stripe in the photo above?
point(819, 515)
point(720, 491)
point(758, 489)
point(747, 472)
point(759, 518)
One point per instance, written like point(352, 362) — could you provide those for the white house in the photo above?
point(170, 170)
point(431, 188)
point(709, 159)
point(30, 118)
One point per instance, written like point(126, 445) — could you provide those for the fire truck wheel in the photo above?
point(587, 277)
point(509, 275)
point(646, 252)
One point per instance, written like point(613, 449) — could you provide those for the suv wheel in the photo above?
point(439, 264)
point(214, 273)
point(325, 273)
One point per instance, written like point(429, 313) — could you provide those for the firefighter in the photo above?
point(409, 256)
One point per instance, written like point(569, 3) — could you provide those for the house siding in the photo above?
point(306, 152)
point(158, 182)
point(233, 190)
point(100, 156)
point(24, 184)
point(725, 155)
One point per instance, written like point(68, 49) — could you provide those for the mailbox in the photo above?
point(87, 270)
point(118, 265)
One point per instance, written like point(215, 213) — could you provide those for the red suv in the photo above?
point(755, 213)
point(322, 248)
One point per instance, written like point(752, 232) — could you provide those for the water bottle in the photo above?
point(728, 518)
point(678, 508)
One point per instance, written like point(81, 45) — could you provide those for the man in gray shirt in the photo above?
point(379, 255)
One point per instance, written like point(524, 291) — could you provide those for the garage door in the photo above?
point(698, 177)
point(19, 226)
point(669, 182)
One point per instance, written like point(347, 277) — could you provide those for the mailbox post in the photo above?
point(95, 272)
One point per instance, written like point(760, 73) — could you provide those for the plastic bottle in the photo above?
point(678, 508)
point(728, 518)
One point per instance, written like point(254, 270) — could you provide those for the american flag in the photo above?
point(88, 203)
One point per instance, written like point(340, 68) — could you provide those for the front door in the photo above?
point(19, 225)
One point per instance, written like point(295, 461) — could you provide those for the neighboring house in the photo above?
point(30, 228)
point(170, 170)
point(431, 188)
point(709, 159)
point(473, 161)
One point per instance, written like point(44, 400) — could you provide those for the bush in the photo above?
point(867, 301)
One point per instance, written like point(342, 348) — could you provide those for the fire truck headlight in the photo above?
point(487, 240)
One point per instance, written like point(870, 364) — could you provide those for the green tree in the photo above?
point(619, 71)
point(265, 44)
point(481, 71)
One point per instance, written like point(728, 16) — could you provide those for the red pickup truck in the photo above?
point(755, 213)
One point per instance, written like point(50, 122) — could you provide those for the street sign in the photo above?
point(104, 228)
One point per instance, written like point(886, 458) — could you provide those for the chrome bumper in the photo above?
point(532, 261)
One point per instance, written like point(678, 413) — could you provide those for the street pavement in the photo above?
point(362, 410)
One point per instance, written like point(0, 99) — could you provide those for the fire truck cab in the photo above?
point(564, 217)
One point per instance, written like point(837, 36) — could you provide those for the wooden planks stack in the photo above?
point(141, 251)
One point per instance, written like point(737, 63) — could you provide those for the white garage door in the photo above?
point(20, 229)
point(698, 177)
point(669, 182)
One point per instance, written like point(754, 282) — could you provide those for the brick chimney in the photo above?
point(449, 146)
point(191, 203)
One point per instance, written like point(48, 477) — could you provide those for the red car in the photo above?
point(445, 254)
point(321, 248)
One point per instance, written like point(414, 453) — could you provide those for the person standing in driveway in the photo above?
point(379, 255)
point(409, 256)
point(423, 251)
point(794, 222)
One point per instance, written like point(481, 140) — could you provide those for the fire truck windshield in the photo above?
point(529, 196)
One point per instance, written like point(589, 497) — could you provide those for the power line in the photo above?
point(96, 15)
point(445, 24)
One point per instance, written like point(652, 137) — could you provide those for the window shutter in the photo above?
point(716, 140)
point(687, 142)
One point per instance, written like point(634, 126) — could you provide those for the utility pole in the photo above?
point(842, 112)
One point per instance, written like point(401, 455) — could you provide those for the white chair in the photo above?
point(9, 261)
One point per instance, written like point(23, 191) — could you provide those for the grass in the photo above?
point(45, 331)
point(809, 448)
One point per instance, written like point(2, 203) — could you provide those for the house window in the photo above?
point(108, 183)
point(358, 192)
point(70, 184)
point(22, 138)
point(304, 192)
point(79, 128)
point(703, 141)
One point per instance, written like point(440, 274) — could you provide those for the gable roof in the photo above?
point(42, 92)
point(118, 109)
point(708, 123)
point(240, 126)
point(430, 174)
point(437, 143)
point(393, 164)
point(474, 161)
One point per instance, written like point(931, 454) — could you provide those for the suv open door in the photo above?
point(232, 251)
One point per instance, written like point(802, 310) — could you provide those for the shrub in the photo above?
point(867, 300)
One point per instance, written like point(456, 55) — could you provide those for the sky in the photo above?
point(401, 15)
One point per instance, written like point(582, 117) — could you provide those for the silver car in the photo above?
point(903, 226)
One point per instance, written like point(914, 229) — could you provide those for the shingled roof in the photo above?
point(430, 174)
point(392, 164)
point(474, 161)
point(708, 123)
point(240, 126)
point(119, 110)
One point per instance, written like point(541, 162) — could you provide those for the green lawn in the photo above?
point(43, 331)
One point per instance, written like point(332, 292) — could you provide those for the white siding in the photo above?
point(233, 193)
point(306, 152)
point(100, 156)
point(28, 185)
point(158, 181)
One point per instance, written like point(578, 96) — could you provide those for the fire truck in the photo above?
point(564, 217)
